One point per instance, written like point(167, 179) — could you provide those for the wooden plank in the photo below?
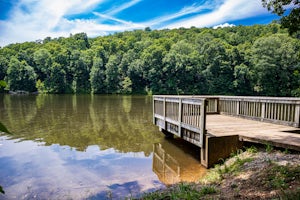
point(278, 135)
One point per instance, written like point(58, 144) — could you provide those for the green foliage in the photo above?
point(208, 190)
point(182, 191)
point(290, 21)
point(97, 76)
point(3, 85)
point(1, 190)
point(40, 86)
point(20, 76)
point(219, 172)
point(275, 56)
point(269, 148)
point(252, 149)
point(255, 60)
point(279, 176)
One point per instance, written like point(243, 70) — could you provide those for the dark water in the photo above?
point(87, 147)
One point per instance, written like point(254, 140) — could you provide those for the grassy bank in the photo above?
point(253, 173)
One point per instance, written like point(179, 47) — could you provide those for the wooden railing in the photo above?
point(185, 116)
point(278, 110)
point(182, 116)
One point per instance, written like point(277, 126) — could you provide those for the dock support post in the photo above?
point(217, 148)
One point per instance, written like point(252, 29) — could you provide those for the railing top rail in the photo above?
point(261, 98)
point(173, 97)
point(293, 100)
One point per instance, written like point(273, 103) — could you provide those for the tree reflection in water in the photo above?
point(109, 121)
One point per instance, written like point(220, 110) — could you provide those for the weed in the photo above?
point(181, 191)
point(269, 148)
point(280, 176)
point(286, 151)
point(208, 190)
point(252, 149)
point(290, 195)
point(233, 185)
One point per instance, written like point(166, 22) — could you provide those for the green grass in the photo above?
point(280, 176)
point(252, 149)
point(181, 191)
point(290, 194)
point(218, 173)
point(269, 148)
point(275, 176)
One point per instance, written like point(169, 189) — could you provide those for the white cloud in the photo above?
point(31, 20)
point(127, 24)
point(223, 25)
point(122, 7)
point(183, 12)
point(36, 19)
point(229, 10)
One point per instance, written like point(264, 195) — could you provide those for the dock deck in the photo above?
point(254, 131)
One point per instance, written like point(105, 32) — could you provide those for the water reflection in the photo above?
point(30, 170)
point(82, 120)
point(175, 161)
point(86, 147)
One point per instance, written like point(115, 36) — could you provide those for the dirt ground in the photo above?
point(264, 177)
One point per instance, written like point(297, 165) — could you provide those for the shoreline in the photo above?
point(252, 173)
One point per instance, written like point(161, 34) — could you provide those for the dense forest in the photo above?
point(241, 60)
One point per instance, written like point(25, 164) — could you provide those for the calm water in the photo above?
point(87, 147)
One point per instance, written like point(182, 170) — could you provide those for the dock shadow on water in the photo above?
point(81, 147)
point(175, 160)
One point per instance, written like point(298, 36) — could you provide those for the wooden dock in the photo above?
point(220, 124)
point(254, 131)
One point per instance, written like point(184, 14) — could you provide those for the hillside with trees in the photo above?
point(241, 60)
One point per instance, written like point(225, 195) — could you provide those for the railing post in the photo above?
point(165, 110)
point(238, 107)
point(153, 110)
point(263, 111)
point(217, 105)
point(179, 116)
point(203, 123)
point(297, 115)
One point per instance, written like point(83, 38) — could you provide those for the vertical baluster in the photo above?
point(281, 112)
point(193, 115)
point(284, 113)
point(288, 112)
point(189, 113)
point(277, 111)
point(199, 116)
point(269, 110)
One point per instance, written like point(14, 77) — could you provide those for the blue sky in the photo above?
point(30, 20)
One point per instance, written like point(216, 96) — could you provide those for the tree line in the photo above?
point(241, 60)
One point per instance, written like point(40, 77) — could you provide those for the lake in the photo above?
point(87, 147)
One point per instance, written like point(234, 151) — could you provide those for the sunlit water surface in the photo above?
point(87, 147)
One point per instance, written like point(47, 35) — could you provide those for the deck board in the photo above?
point(254, 131)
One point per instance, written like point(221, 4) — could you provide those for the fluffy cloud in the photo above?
point(30, 20)
point(223, 25)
